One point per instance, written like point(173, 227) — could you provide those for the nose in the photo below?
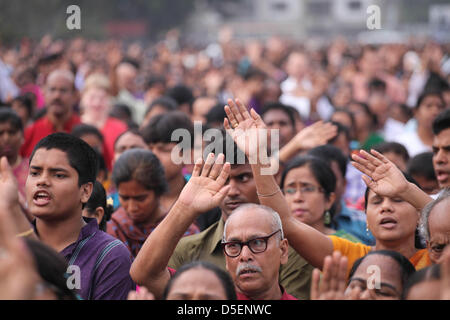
point(386, 206)
point(246, 254)
point(365, 295)
point(234, 189)
point(43, 180)
point(439, 157)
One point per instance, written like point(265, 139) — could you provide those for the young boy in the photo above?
point(60, 182)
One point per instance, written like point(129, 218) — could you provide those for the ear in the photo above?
point(331, 198)
point(284, 248)
point(86, 191)
point(99, 213)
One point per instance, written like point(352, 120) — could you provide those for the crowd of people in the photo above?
point(95, 207)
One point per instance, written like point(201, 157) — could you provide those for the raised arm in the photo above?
point(204, 191)
point(311, 244)
point(385, 179)
point(310, 137)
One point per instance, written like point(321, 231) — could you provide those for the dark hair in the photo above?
point(80, 155)
point(319, 168)
point(429, 273)
point(365, 107)
point(330, 153)
point(406, 267)
point(278, 106)
point(142, 166)
point(161, 127)
point(222, 276)
point(167, 103)
point(441, 122)
point(121, 111)
point(98, 199)
point(131, 61)
point(376, 84)
point(84, 129)
point(181, 94)
point(134, 131)
point(10, 116)
point(394, 147)
point(340, 129)
point(216, 114)
point(427, 93)
point(154, 80)
point(350, 115)
point(26, 101)
point(52, 269)
point(422, 165)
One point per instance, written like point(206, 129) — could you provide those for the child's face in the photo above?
point(52, 186)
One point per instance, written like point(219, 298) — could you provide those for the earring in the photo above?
point(327, 218)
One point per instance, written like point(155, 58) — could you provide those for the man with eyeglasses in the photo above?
point(255, 247)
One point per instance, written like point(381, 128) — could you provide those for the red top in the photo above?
point(42, 128)
point(110, 131)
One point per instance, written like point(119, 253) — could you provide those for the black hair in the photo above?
point(427, 93)
point(98, 199)
point(349, 114)
point(376, 84)
point(26, 101)
point(340, 129)
point(441, 122)
point(181, 94)
point(422, 165)
point(330, 153)
point(253, 73)
point(168, 103)
point(52, 269)
point(121, 111)
point(85, 129)
point(161, 127)
point(222, 276)
point(426, 274)
point(406, 267)
point(80, 155)
point(216, 114)
point(154, 80)
point(10, 116)
point(131, 61)
point(142, 166)
point(319, 168)
point(394, 147)
point(365, 107)
point(279, 106)
point(134, 131)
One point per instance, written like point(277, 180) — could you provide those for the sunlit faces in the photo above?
point(389, 286)
point(305, 197)
point(96, 102)
point(197, 284)
point(138, 202)
point(52, 188)
point(10, 140)
point(242, 189)
point(245, 225)
point(441, 157)
point(439, 230)
point(390, 219)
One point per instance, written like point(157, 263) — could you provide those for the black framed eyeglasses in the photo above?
point(257, 245)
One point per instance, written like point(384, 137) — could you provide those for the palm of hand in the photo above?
point(201, 194)
point(249, 135)
point(384, 179)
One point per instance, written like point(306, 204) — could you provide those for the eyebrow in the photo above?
point(252, 237)
point(51, 169)
point(384, 284)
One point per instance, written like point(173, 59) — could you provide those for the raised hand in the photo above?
point(8, 184)
point(247, 129)
point(206, 188)
point(18, 274)
point(334, 281)
point(383, 176)
point(315, 135)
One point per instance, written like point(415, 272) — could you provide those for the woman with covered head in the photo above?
point(140, 181)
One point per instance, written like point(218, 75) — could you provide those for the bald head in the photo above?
point(61, 74)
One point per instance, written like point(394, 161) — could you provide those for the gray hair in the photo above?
point(275, 218)
point(426, 211)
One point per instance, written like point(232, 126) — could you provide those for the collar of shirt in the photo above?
point(88, 230)
point(217, 236)
point(284, 295)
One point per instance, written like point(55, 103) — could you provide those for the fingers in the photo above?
point(327, 274)
point(232, 119)
point(208, 165)
point(342, 274)
point(242, 109)
point(217, 167)
point(5, 168)
point(236, 111)
point(197, 168)
point(315, 283)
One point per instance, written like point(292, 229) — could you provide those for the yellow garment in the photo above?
point(354, 251)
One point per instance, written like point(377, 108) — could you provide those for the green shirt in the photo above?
point(295, 275)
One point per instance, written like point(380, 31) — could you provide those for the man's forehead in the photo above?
point(238, 169)
point(442, 139)
point(53, 156)
point(254, 220)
